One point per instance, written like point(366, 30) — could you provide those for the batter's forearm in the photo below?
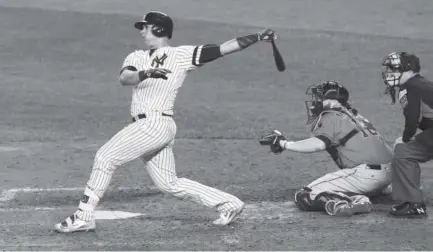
point(211, 52)
point(238, 44)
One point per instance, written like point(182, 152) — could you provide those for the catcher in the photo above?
point(353, 143)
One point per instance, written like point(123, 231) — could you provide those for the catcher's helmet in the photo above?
point(327, 90)
point(394, 65)
point(163, 24)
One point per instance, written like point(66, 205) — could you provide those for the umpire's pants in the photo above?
point(406, 173)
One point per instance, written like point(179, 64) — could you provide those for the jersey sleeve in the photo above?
point(188, 57)
point(327, 129)
point(135, 60)
point(410, 100)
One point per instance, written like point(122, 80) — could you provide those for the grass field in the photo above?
point(60, 100)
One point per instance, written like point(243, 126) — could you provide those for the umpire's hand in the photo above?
point(397, 141)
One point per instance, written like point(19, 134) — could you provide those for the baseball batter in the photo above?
point(357, 148)
point(155, 76)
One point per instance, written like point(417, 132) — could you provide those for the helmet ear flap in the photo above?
point(410, 62)
point(158, 31)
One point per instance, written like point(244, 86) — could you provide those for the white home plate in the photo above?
point(7, 148)
point(114, 215)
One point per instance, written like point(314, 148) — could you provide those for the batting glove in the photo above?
point(267, 35)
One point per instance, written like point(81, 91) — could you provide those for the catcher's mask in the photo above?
point(394, 65)
point(328, 90)
point(162, 24)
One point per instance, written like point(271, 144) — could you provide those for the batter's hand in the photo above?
point(158, 73)
point(267, 35)
point(273, 140)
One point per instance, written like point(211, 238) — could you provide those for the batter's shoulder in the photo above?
point(136, 53)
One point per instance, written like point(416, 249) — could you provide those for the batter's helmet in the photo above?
point(162, 22)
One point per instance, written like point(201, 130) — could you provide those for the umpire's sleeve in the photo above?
point(411, 102)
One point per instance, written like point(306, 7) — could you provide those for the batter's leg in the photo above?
point(161, 168)
point(141, 138)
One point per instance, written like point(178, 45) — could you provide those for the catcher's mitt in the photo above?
point(273, 140)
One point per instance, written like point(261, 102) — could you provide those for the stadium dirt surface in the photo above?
point(60, 101)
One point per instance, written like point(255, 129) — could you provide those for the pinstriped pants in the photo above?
point(152, 140)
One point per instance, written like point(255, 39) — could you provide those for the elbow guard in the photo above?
point(210, 53)
point(130, 68)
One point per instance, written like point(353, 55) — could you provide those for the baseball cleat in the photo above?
point(227, 217)
point(74, 224)
point(409, 210)
point(387, 190)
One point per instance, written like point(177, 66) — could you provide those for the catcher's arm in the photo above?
point(308, 145)
point(278, 143)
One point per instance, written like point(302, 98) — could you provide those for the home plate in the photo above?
point(114, 215)
point(6, 149)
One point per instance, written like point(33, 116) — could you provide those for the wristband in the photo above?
point(142, 75)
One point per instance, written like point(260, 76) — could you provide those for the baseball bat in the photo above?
point(279, 61)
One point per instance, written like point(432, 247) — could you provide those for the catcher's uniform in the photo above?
point(359, 151)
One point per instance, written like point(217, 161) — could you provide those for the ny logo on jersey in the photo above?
point(157, 61)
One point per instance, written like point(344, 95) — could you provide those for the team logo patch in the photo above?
point(159, 61)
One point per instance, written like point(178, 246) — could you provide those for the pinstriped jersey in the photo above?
point(367, 146)
point(159, 95)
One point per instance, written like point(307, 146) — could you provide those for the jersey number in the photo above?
point(368, 129)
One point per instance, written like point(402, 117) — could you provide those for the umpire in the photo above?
point(416, 97)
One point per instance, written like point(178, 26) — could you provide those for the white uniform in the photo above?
point(152, 138)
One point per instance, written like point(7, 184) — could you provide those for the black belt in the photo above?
point(142, 116)
point(375, 167)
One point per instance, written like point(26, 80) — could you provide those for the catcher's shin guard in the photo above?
point(322, 198)
point(305, 202)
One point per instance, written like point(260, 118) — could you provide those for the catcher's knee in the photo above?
point(303, 199)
